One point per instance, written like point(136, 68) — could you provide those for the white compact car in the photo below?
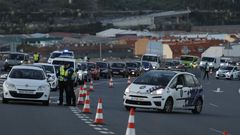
point(228, 72)
point(26, 83)
point(51, 71)
point(165, 90)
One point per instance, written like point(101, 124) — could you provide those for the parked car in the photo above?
point(26, 83)
point(133, 69)
point(171, 64)
point(228, 72)
point(105, 70)
point(83, 73)
point(119, 68)
point(94, 70)
point(51, 72)
point(165, 90)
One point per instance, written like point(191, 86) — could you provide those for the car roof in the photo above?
point(27, 67)
point(148, 54)
point(47, 64)
point(65, 59)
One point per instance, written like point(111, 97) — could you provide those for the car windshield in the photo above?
point(54, 55)
point(160, 78)
point(187, 58)
point(27, 74)
point(226, 68)
point(60, 63)
point(134, 65)
point(118, 65)
point(150, 58)
point(49, 69)
point(208, 59)
point(91, 66)
point(102, 64)
point(16, 56)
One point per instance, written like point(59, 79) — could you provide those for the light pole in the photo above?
point(100, 51)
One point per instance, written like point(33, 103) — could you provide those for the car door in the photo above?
point(191, 90)
point(179, 93)
point(235, 72)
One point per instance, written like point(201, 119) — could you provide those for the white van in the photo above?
point(62, 54)
point(214, 62)
point(154, 59)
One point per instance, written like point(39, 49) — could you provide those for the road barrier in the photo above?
point(99, 113)
point(91, 86)
point(131, 123)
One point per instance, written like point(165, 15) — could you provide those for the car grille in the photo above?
point(138, 96)
point(17, 95)
point(147, 103)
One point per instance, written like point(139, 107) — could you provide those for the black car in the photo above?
point(105, 70)
point(119, 69)
point(133, 68)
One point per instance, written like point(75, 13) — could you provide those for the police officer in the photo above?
point(206, 71)
point(36, 57)
point(62, 82)
point(70, 95)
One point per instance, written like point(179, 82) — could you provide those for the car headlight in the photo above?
point(121, 70)
point(157, 92)
point(42, 88)
point(154, 67)
point(210, 64)
point(10, 86)
point(228, 73)
point(217, 72)
point(127, 90)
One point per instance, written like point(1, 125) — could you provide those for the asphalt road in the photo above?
point(221, 112)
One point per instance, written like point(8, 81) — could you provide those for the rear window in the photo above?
point(60, 63)
point(159, 78)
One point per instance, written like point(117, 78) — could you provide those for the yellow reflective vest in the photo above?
point(36, 57)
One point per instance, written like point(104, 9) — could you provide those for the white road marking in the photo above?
point(213, 105)
point(218, 90)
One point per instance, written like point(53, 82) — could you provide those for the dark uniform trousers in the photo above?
point(62, 88)
point(70, 95)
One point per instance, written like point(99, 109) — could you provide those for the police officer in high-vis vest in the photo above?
point(36, 57)
point(70, 77)
point(62, 83)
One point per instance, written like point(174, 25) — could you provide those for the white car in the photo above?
point(26, 83)
point(165, 90)
point(51, 71)
point(228, 72)
point(62, 54)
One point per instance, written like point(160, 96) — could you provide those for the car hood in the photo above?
point(143, 89)
point(27, 83)
point(223, 71)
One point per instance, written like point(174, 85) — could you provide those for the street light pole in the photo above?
point(100, 51)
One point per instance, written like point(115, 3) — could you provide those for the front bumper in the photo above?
point(143, 101)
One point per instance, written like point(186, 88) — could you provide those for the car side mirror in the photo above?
point(179, 87)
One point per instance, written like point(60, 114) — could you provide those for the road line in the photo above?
point(218, 90)
point(213, 105)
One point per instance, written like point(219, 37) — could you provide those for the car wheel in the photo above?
point(217, 77)
point(4, 100)
point(168, 107)
point(198, 106)
point(46, 103)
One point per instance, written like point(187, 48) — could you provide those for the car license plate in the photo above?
point(222, 75)
point(116, 72)
point(25, 92)
point(137, 99)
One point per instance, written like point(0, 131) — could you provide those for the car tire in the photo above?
point(4, 100)
point(168, 107)
point(217, 77)
point(198, 106)
point(46, 103)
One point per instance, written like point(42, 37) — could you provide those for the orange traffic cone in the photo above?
point(129, 80)
point(91, 86)
point(86, 107)
point(81, 96)
point(131, 123)
point(85, 85)
point(99, 114)
point(225, 132)
point(111, 83)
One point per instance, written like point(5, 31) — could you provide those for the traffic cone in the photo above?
point(111, 83)
point(91, 86)
point(225, 132)
point(129, 80)
point(81, 96)
point(86, 107)
point(131, 123)
point(85, 85)
point(99, 113)
point(211, 71)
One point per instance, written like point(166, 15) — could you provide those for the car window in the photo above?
point(174, 83)
point(189, 82)
point(180, 80)
point(27, 74)
point(197, 83)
